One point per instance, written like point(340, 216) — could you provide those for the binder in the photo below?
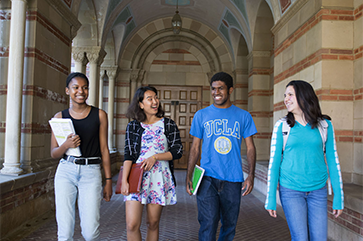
point(135, 179)
point(198, 174)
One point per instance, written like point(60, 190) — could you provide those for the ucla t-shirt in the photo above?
point(222, 131)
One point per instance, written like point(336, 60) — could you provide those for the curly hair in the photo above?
point(134, 111)
point(308, 103)
point(224, 77)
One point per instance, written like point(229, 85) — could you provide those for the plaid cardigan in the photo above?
point(134, 132)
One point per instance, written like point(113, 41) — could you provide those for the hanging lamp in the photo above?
point(176, 22)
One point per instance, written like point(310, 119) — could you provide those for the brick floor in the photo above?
point(178, 222)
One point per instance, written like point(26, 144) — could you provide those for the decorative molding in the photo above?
point(111, 71)
point(5, 15)
point(69, 17)
point(94, 54)
point(78, 56)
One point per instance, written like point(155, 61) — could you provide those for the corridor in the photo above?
point(178, 222)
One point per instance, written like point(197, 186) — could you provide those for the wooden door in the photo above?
point(180, 103)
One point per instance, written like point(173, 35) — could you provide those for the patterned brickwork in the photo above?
point(37, 16)
point(46, 59)
point(358, 94)
point(349, 219)
point(45, 94)
point(35, 128)
point(15, 198)
point(323, 14)
point(322, 54)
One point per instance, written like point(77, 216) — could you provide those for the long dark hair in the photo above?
point(308, 103)
point(134, 111)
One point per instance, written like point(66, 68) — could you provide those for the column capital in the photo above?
point(111, 71)
point(78, 55)
point(95, 55)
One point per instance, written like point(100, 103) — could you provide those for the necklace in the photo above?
point(80, 112)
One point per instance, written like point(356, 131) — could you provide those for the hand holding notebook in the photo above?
point(135, 179)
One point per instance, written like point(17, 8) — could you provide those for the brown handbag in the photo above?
point(135, 179)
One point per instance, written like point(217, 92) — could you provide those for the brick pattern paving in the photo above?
point(178, 222)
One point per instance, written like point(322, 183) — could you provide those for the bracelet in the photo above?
point(108, 178)
point(154, 158)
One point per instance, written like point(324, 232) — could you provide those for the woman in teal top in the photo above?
point(300, 167)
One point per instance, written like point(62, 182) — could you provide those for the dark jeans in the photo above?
point(218, 200)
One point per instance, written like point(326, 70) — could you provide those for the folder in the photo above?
point(135, 179)
point(198, 174)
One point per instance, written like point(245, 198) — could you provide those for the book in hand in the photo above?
point(61, 128)
point(135, 179)
point(198, 174)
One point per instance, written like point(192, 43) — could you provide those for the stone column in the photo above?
point(100, 97)
point(14, 90)
point(134, 85)
point(80, 59)
point(140, 77)
point(241, 88)
point(259, 99)
point(95, 56)
point(111, 72)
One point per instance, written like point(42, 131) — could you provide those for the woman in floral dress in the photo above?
point(154, 141)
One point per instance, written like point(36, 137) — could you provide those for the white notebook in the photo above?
point(61, 128)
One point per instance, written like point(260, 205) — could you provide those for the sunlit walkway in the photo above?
point(178, 222)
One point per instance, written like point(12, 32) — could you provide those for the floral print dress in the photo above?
point(157, 184)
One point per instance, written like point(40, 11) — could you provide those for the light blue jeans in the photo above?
point(306, 213)
point(82, 181)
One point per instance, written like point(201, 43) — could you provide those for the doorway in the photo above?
point(180, 103)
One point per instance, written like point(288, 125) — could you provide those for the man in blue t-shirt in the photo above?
point(221, 126)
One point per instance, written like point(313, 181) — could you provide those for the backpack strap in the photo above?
point(285, 132)
point(323, 129)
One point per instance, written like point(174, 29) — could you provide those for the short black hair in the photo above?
point(74, 75)
point(224, 77)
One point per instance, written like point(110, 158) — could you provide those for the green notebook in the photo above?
point(197, 178)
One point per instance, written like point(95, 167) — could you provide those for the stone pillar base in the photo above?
point(11, 169)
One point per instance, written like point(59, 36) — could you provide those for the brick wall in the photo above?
point(349, 219)
point(17, 197)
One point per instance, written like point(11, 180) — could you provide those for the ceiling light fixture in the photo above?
point(176, 22)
